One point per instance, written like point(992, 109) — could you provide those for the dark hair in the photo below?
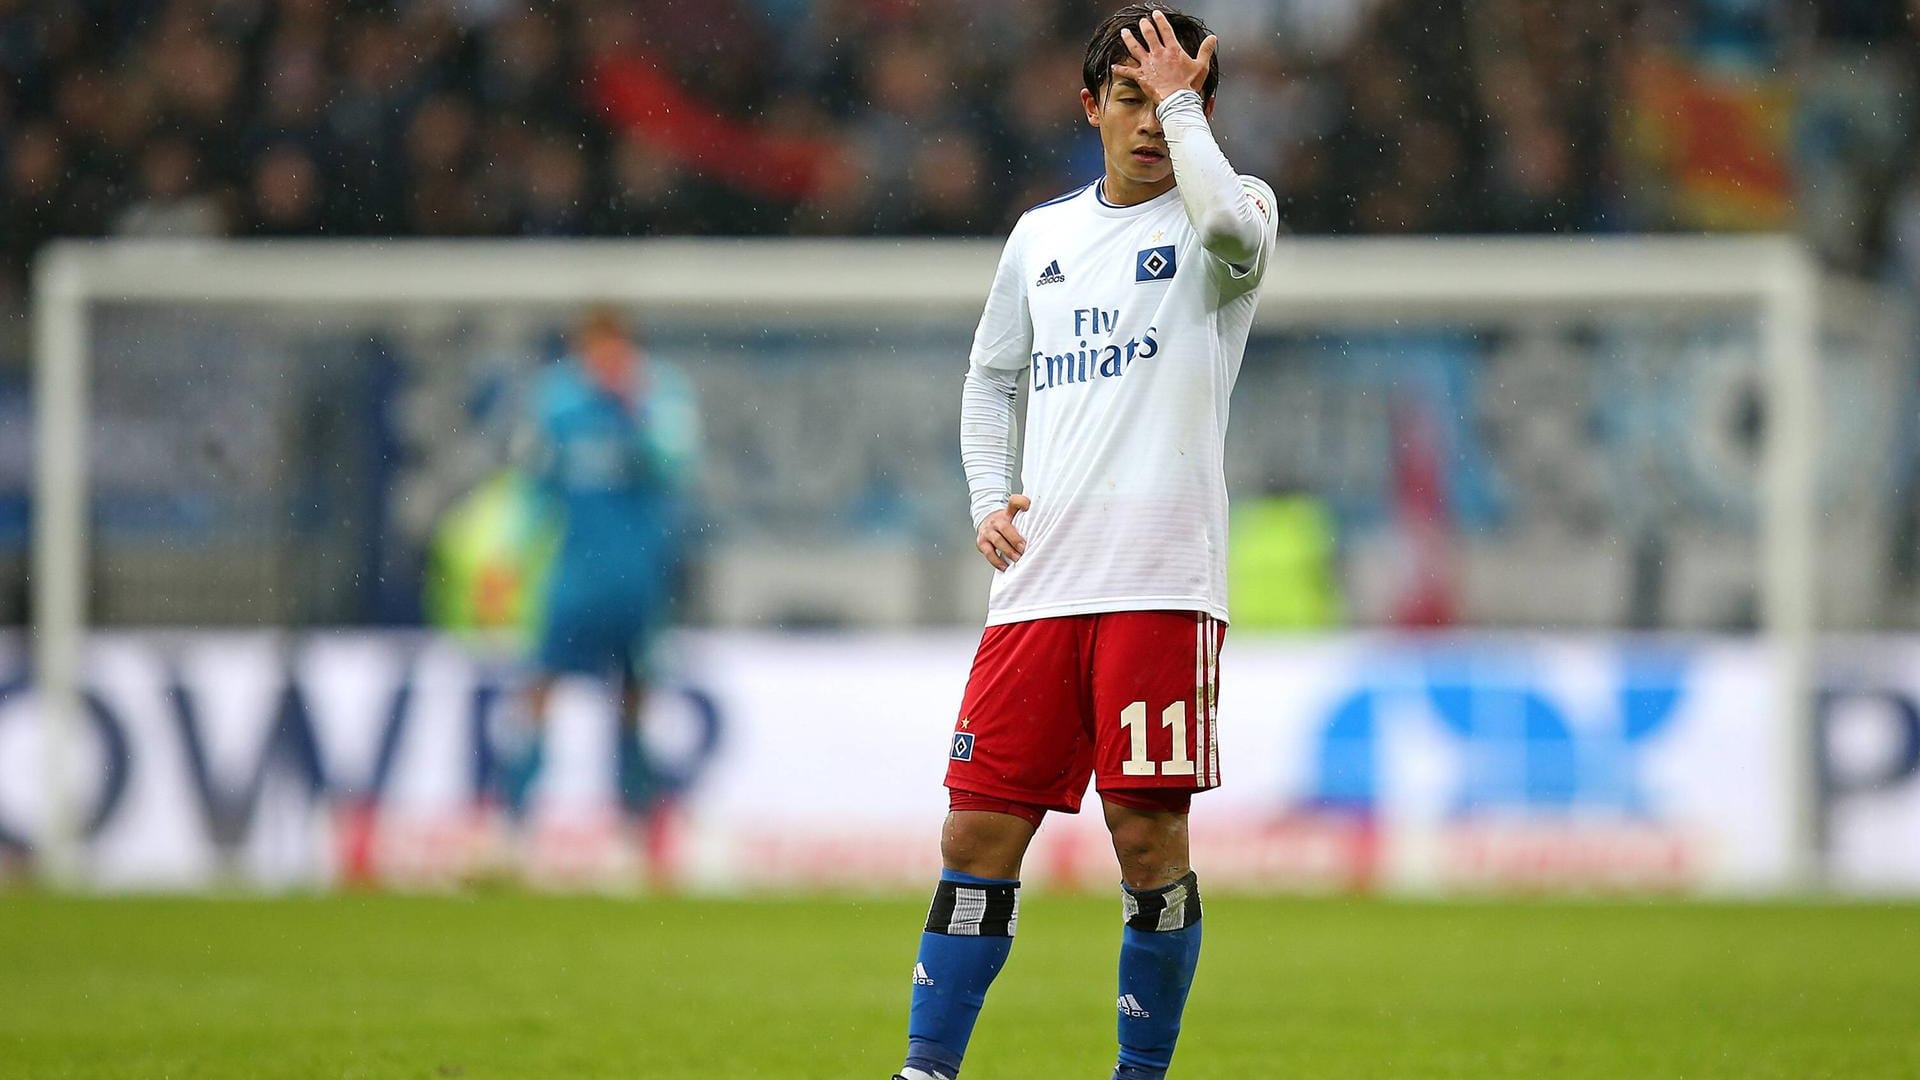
point(1108, 48)
point(603, 319)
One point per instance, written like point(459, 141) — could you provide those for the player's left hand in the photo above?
point(1160, 63)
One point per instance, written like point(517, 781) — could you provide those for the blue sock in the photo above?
point(520, 763)
point(1158, 951)
point(969, 933)
point(635, 774)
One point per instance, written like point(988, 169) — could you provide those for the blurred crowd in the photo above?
point(604, 117)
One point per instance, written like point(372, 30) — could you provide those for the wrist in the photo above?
point(985, 508)
point(1176, 100)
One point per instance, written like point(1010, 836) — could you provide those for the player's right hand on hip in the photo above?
point(999, 541)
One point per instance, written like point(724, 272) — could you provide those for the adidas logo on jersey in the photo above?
point(920, 976)
point(1130, 1006)
point(1052, 275)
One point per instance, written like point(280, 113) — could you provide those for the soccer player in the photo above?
point(611, 446)
point(1127, 303)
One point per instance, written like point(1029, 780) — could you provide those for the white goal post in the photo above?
point(1316, 281)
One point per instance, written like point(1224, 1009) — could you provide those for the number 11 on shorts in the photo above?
point(1174, 717)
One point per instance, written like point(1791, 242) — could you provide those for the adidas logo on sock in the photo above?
point(920, 976)
point(1052, 275)
point(1130, 1006)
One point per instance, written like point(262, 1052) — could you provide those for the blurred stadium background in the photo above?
point(1570, 558)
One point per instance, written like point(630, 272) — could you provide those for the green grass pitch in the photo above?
point(512, 985)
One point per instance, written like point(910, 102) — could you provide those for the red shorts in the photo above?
point(1127, 697)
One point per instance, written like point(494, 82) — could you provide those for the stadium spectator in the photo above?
point(284, 198)
point(167, 199)
point(441, 156)
point(553, 197)
point(36, 208)
point(455, 117)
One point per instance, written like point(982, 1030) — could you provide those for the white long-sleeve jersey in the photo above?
point(1130, 322)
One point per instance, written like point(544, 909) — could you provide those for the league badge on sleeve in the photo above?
point(1153, 264)
point(962, 746)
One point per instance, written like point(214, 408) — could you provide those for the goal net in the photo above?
point(1518, 434)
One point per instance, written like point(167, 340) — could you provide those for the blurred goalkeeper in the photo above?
point(610, 448)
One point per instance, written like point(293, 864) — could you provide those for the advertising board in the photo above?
point(1450, 763)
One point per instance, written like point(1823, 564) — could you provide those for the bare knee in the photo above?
point(984, 844)
point(1150, 845)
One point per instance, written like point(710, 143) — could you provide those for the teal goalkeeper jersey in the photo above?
point(617, 472)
